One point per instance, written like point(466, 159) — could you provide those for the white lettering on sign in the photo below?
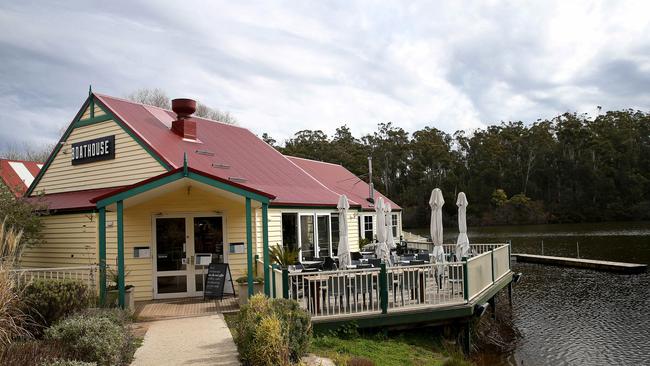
point(93, 150)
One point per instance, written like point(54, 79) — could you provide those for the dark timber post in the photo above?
point(102, 255)
point(465, 280)
point(383, 288)
point(265, 248)
point(467, 338)
point(120, 254)
point(285, 283)
point(249, 245)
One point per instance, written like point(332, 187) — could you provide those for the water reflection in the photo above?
point(574, 316)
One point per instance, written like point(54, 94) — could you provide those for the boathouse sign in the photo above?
point(89, 151)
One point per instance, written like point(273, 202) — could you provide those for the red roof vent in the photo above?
point(183, 126)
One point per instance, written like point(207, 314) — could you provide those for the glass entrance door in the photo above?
point(179, 242)
point(171, 257)
point(208, 240)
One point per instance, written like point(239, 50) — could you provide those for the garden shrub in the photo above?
point(297, 323)
point(29, 353)
point(95, 338)
point(67, 363)
point(269, 344)
point(47, 301)
point(278, 327)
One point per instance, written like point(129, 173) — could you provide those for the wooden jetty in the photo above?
point(582, 263)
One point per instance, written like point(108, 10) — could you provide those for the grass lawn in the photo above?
point(413, 348)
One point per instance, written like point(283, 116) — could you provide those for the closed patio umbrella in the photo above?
point(462, 244)
point(389, 226)
point(381, 249)
point(345, 259)
point(436, 201)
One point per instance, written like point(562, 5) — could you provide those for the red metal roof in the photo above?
point(76, 200)
point(341, 181)
point(18, 174)
point(229, 152)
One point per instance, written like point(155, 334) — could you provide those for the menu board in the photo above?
point(218, 281)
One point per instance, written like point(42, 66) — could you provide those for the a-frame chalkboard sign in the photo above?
point(218, 282)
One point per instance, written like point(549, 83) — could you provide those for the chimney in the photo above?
point(183, 126)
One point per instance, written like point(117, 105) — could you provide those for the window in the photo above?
point(335, 234)
point(323, 235)
point(290, 230)
point(394, 224)
point(367, 228)
point(307, 236)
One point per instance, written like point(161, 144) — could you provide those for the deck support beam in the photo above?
point(102, 255)
point(467, 338)
point(265, 248)
point(120, 254)
point(249, 246)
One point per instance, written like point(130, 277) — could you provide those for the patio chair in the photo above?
point(374, 262)
point(423, 257)
point(355, 256)
point(329, 264)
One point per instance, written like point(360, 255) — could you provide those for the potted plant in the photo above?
point(113, 291)
point(242, 291)
point(283, 256)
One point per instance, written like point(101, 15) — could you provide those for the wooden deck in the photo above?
point(583, 263)
point(179, 308)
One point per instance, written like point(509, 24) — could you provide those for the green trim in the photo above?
point(174, 177)
point(298, 207)
point(185, 171)
point(102, 255)
point(275, 295)
point(383, 288)
point(285, 283)
point(120, 254)
point(77, 122)
point(377, 320)
point(265, 248)
point(92, 120)
point(465, 280)
point(249, 245)
point(91, 108)
point(492, 263)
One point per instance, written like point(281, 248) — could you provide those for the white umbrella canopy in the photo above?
point(389, 226)
point(345, 259)
point(462, 244)
point(436, 201)
point(381, 249)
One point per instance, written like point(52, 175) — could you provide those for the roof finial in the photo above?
point(185, 170)
point(90, 89)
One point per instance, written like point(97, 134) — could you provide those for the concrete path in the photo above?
point(188, 341)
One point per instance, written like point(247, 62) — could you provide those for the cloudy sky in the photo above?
point(280, 67)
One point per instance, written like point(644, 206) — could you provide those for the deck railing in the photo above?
point(392, 289)
point(86, 274)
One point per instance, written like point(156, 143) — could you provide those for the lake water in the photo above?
point(574, 316)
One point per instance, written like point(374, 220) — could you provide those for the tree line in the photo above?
point(571, 168)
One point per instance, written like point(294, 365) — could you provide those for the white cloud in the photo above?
point(283, 67)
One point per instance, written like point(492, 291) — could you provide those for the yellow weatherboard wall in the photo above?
point(131, 164)
point(68, 241)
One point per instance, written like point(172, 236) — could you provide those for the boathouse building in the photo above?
point(147, 192)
